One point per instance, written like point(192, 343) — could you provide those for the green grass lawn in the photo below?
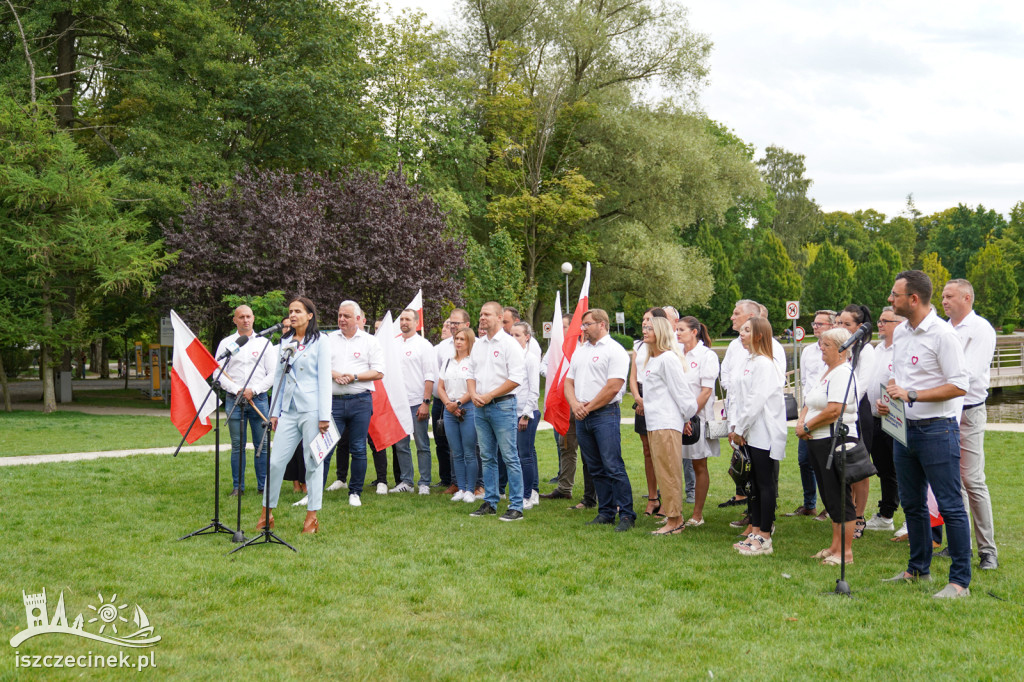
point(412, 587)
point(35, 433)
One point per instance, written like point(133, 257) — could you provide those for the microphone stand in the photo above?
point(215, 526)
point(239, 535)
point(267, 536)
point(841, 430)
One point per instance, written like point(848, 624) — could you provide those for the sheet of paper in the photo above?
point(323, 443)
point(895, 423)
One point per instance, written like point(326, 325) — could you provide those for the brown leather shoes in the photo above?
point(802, 511)
point(311, 525)
point(452, 489)
point(261, 524)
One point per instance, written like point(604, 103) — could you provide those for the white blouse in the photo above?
point(702, 367)
point(757, 410)
point(455, 374)
point(830, 389)
point(669, 400)
point(528, 392)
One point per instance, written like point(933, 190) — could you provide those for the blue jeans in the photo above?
point(351, 414)
point(806, 475)
point(241, 415)
point(462, 445)
point(690, 477)
point(526, 445)
point(403, 450)
point(932, 457)
point(600, 441)
point(496, 431)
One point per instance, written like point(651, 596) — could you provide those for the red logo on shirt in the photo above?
point(647, 373)
point(495, 353)
point(356, 354)
point(254, 353)
point(302, 346)
point(408, 353)
point(693, 365)
point(596, 358)
point(890, 366)
point(746, 372)
point(913, 359)
point(464, 369)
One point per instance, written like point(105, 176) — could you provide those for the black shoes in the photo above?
point(235, 493)
point(988, 561)
point(511, 515)
point(625, 523)
point(600, 521)
point(485, 509)
point(733, 502)
point(556, 495)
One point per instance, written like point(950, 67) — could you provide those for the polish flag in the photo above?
point(556, 407)
point(417, 305)
point(191, 366)
point(388, 425)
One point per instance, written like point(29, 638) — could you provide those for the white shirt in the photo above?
point(357, 355)
point(812, 367)
point(865, 369)
point(883, 372)
point(702, 372)
point(495, 361)
point(979, 340)
point(528, 392)
point(594, 364)
point(639, 360)
point(757, 410)
point(831, 389)
point(443, 352)
point(669, 399)
point(736, 358)
point(242, 363)
point(455, 375)
point(534, 348)
point(928, 357)
point(418, 367)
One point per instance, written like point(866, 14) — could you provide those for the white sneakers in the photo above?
point(382, 488)
point(302, 502)
point(902, 531)
point(468, 496)
point(527, 504)
point(459, 496)
point(535, 498)
point(424, 490)
point(879, 522)
point(354, 501)
point(402, 487)
point(337, 485)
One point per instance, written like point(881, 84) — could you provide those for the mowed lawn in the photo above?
point(411, 587)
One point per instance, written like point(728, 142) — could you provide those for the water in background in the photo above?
point(1006, 406)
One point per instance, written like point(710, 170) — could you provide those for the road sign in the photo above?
point(792, 310)
point(547, 330)
point(620, 318)
point(799, 334)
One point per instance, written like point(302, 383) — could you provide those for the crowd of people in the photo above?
point(480, 387)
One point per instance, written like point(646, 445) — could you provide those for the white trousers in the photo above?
point(972, 476)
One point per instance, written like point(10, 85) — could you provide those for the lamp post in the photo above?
point(566, 269)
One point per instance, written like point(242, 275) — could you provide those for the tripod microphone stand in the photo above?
point(267, 536)
point(215, 526)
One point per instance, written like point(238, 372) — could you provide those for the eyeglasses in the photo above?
point(819, 325)
point(894, 294)
point(647, 328)
point(881, 322)
point(587, 324)
point(456, 324)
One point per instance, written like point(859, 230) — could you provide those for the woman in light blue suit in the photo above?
point(303, 410)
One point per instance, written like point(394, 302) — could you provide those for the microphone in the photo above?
point(271, 330)
point(233, 347)
point(287, 352)
point(862, 331)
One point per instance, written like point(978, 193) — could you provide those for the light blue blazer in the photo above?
point(307, 387)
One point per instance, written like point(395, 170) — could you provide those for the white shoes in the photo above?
point(337, 485)
point(302, 502)
point(468, 496)
point(382, 488)
point(902, 531)
point(424, 490)
point(354, 501)
point(459, 496)
point(527, 503)
point(879, 522)
point(402, 487)
point(534, 499)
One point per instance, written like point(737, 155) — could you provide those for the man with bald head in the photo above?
point(254, 355)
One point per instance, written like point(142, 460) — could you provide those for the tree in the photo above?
point(330, 238)
point(715, 314)
point(932, 266)
point(768, 275)
point(829, 279)
point(847, 231)
point(995, 289)
point(796, 216)
point(68, 237)
point(1012, 244)
point(496, 273)
point(874, 277)
point(958, 234)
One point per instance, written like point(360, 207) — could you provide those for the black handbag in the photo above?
point(858, 461)
point(695, 431)
point(739, 469)
point(792, 410)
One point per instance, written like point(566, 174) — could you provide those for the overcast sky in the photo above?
point(883, 98)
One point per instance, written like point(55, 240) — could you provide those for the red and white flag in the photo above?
point(556, 407)
point(388, 425)
point(417, 305)
point(191, 364)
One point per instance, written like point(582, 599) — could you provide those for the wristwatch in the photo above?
point(911, 398)
point(427, 402)
point(806, 430)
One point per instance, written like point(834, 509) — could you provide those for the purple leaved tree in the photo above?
point(353, 236)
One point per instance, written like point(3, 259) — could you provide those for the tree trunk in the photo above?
point(46, 368)
point(104, 358)
point(3, 384)
point(65, 65)
point(127, 365)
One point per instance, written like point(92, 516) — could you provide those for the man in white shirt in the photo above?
point(419, 371)
point(979, 340)
point(593, 387)
point(930, 377)
point(812, 368)
point(256, 358)
point(496, 369)
point(356, 362)
point(443, 352)
point(881, 442)
point(509, 316)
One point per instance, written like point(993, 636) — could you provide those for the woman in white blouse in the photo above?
point(757, 421)
point(527, 394)
point(636, 388)
point(852, 317)
point(823, 404)
point(702, 371)
point(669, 403)
point(459, 423)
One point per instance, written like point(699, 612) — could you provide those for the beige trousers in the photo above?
point(667, 454)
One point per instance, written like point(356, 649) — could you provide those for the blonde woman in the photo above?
point(459, 415)
point(669, 403)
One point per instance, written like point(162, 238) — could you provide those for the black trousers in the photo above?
point(444, 454)
point(881, 455)
point(828, 481)
point(764, 488)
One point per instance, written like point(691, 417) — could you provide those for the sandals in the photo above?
point(656, 509)
point(743, 543)
point(823, 554)
point(692, 522)
point(757, 545)
point(858, 530)
point(834, 560)
point(674, 531)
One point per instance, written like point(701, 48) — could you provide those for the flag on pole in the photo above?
point(417, 305)
point(388, 425)
point(556, 407)
point(554, 355)
point(191, 366)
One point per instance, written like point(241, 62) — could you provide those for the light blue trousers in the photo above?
point(294, 428)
